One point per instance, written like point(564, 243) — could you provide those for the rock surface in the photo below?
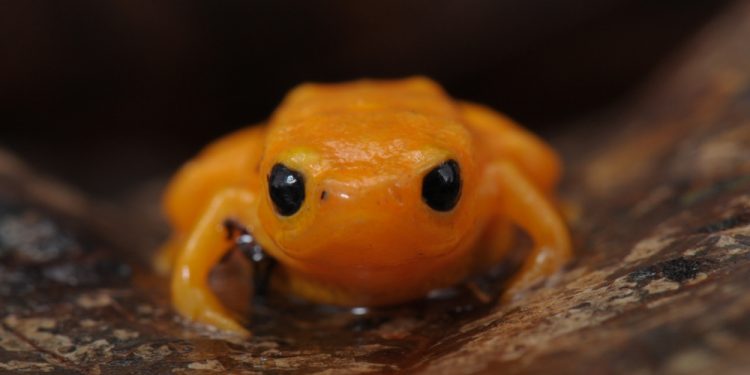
point(660, 210)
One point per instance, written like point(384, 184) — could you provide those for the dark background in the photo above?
point(109, 94)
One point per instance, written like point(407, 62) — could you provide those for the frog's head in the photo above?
point(356, 181)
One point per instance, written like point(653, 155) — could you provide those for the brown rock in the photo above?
point(660, 210)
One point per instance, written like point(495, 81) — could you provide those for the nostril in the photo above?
point(333, 195)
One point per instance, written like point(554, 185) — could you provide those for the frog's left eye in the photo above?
point(287, 189)
point(441, 187)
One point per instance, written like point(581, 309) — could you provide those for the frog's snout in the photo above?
point(351, 207)
point(366, 225)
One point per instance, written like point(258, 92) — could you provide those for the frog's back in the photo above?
point(417, 94)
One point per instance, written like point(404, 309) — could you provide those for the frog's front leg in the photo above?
point(528, 207)
point(204, 247)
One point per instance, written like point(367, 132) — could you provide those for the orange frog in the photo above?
point(366, 193)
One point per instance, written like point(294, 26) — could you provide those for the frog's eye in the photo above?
point(441, 187)
point(287, 189)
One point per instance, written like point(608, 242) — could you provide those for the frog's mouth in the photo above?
point(363, 253)
point(370, 284)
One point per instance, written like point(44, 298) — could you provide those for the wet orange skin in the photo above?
point(363, 235)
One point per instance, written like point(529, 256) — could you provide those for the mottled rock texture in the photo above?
point(659, 208)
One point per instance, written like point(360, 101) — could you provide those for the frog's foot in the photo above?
point(540, 265)
point(202, 306)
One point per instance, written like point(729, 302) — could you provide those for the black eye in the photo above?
point(286, 188)
point(441, 187)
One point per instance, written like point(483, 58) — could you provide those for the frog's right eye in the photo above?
point(286, 187)
point(441, 187)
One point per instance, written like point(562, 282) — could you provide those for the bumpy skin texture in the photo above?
point(364, 235)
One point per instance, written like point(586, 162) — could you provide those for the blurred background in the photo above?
point(108, 94)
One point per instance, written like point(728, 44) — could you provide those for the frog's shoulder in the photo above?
point(232, 160)
point(238, 142)
point(500, 138)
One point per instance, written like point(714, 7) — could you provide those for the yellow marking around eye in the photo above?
point(304, 159)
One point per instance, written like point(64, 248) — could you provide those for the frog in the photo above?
point(371, 192)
